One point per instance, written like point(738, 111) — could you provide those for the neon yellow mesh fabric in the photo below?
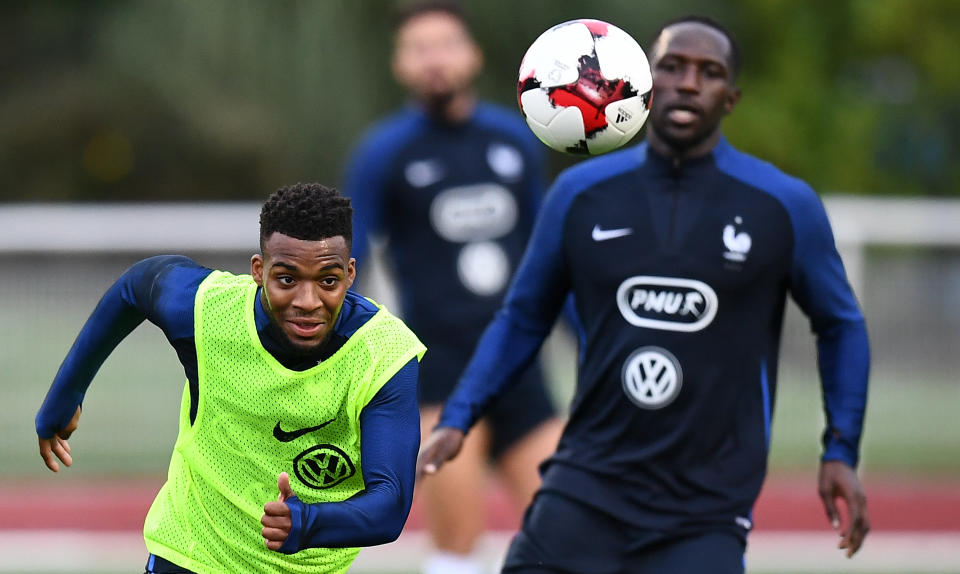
point(224, 467)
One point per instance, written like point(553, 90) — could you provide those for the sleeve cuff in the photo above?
point(838, 449)
point(292, 544)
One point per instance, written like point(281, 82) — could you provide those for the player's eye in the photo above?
point(714, 72)
point(285, 280)
point(667, 66)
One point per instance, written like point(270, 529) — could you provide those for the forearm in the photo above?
point(390, 430)
point(373, 517)
point(160, 289)
point(504, 351)
point(844, 359)
point(512, 339)
point(112, 320)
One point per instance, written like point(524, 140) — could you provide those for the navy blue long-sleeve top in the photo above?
point(679, 273)
point(162, 290)
point(457, 202)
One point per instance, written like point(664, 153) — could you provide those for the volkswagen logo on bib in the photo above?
point(651, 377)
point(323, 466)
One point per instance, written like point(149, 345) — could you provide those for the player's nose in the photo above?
point(308, 298)
point(689, 79)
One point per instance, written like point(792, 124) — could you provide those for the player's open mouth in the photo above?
point(682, 115)
point(305, 328)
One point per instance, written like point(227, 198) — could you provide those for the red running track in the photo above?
point(896, 504)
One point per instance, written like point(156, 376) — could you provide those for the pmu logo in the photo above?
point(323, 466)
point(478, 212)
point(667, 303)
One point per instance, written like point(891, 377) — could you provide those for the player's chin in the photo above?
point(681, 137)
point(437, 97)
point(306, 345)
point(307, 348)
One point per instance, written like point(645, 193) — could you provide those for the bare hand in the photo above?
point(276, 515)
point(839, 480)
point(57, 446)
point(442, 445)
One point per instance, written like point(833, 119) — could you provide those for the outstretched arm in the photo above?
point(142, 292)
point(390, 427)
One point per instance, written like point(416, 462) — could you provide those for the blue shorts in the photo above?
point(158, 565)
point(562, 536)
point(514, 415)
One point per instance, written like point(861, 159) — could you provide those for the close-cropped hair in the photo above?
point(710, 23)
point(411, 10)
point(307, 211)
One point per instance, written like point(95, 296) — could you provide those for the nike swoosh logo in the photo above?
point(604, 234)
point(287, 436)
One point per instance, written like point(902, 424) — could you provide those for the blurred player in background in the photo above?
point(453, 184)
point(294, 384)
point(679, 253)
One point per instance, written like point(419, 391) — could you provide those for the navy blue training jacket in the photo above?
point(679, 273)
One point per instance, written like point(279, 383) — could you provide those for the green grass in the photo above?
point(909, 428)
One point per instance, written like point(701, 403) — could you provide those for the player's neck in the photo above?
point(683, 154)
point(454, 110)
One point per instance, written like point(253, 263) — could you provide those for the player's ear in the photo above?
point(351, 272)
point(477, 58)
point(256, 269)
point(398, 63)
point(395, 68)
point(733, 96)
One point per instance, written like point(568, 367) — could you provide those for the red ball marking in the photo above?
point(591, 93)
point(525, 83)
point(596, 27)
point(593, 119)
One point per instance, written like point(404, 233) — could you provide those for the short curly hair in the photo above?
point(307, 211)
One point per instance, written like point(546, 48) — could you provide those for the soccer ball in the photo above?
point(585, 87)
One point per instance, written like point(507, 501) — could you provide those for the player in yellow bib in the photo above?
point(294, 385)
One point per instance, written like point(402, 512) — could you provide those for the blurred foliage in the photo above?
point(229, 99)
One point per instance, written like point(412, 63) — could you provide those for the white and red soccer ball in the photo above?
point(585, 87)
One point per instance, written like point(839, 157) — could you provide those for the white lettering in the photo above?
point(655, 301)
point(690, 302)
point(685, 305)
point(672, 303)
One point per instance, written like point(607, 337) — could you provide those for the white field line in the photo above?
point(47, 551)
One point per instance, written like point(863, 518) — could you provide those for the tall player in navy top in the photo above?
point(679, 253)
point(453, 184)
